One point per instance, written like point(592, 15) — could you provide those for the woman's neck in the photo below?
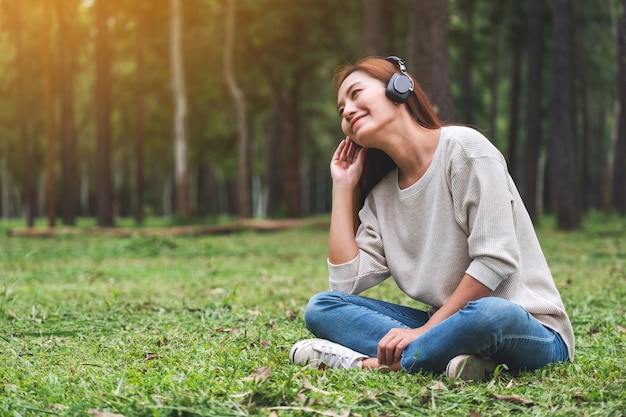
point(413, 152)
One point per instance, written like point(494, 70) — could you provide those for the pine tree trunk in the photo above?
point(244, 186)
point(180, 113)
point(373, 9)
point(563, 173)
point(67, 63)
point(104, 204)
point(293, 192)
point(533, 107)
point(515, 95)
point(429, 63)
point(29, 194)
point(140, 106)
point(619, 165)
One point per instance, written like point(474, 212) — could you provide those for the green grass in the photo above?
point(202, 326)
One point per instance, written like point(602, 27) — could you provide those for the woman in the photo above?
point(438, 212)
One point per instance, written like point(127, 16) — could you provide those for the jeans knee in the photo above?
point(317, 307)
point(493, 314)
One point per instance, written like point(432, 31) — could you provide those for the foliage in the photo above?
point(280, 44)
point(202, 326)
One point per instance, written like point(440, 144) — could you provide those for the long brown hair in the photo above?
point(377, 163)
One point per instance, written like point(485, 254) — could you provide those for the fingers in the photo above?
point(347, 151)
point(388, 351)
point(391, 346)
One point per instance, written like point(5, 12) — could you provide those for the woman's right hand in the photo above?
point(346, 166)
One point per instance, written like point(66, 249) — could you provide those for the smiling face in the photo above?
point(363, 107)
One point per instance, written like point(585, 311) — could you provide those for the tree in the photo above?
point(140, 110)
point(245, 200)
point(29, 194)
point(180, 113)
point(619, 165)
point(429, 56)
point(468, 52)
point(66, 13)
point(373, 12)
point(563, 173)
point(103, 115)
point(49, 106)
point(533, 105)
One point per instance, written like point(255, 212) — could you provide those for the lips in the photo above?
point(355, 120)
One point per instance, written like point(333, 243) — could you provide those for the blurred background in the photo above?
point(196, 109)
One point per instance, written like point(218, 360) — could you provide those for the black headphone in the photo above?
point(400, 85)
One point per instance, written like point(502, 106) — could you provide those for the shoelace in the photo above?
point(334, 357)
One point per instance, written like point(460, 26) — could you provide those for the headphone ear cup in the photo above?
point(399, 88)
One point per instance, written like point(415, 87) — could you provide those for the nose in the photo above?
point(349, 110)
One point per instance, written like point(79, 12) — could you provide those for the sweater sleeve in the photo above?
point(484, 209)
point(369, 268)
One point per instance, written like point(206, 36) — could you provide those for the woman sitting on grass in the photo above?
point(437, 211)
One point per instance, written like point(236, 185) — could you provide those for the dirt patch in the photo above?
point(259, 225)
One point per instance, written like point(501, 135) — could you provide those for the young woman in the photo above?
point(438, 212)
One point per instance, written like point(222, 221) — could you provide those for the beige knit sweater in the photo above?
point(464, 215)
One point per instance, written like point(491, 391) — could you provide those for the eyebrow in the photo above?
point(348, 93)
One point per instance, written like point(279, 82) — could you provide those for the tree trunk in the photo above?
point(429, 56)
point(563, 172)
point(140, 107)
point(587, 153)
point(275, 161)
point(180, 113)
point(515, 95)
point(28, 171)
point(244, 188)
point(293, 192)
point(619, 165)
point(49, 106)
point(103, 116)
point(467, 57)
point(373, 9)
point(66, 13)
point(533, 106)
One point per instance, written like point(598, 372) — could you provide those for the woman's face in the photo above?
point(363, 107)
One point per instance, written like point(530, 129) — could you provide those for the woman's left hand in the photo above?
point(391, 346)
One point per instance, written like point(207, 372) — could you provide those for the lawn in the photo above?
point(202, 326)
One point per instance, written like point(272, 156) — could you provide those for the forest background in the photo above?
point(194, 109)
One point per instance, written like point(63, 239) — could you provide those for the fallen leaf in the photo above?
point(438, 387)
point(291, 315)
point(97, 413)
point(621, 329)
point(474, 413)
point(223, 330)
point(259, 375)
point(515, 399)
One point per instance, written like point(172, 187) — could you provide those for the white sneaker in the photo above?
point(470, 367)
point(320, 352)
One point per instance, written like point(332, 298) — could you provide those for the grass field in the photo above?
point(202, 326)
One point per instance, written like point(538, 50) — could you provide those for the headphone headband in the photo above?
point(397, 61)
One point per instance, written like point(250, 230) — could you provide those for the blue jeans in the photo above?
point(490, 327)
